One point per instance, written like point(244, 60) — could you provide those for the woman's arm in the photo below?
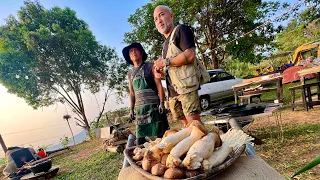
point(131, 94)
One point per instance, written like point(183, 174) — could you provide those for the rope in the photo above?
point(32, 129)
point(262, 25)
point(43, 139)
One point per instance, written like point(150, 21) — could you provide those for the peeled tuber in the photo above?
point(169, 132)
point(217, 157)
point(182, 147)
point(170, 141)
point(201, 149)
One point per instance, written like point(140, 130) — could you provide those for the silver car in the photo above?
point(218, 88)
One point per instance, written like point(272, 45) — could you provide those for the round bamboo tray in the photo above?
point(128, 153)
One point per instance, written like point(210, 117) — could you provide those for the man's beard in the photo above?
point(165, 28)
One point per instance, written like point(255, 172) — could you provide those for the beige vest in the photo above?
point(186, 78)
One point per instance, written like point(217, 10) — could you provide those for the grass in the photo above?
point(88, 161)
point(2, 162)
point(300, 146)
point(100, 165)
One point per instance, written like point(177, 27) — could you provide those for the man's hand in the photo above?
point(132, 115)
point(161, 108)
point(160, 63)
point(158, 73)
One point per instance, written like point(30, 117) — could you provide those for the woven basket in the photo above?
point(128, 153)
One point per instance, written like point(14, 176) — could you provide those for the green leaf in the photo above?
point(308, 166)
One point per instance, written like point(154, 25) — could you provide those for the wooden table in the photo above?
point(260, 80)
point(303, 73)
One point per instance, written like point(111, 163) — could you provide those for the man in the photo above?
point(144, 89)
point(179, 58)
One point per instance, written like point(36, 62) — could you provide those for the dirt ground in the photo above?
point(292, 154)
point(300, 116)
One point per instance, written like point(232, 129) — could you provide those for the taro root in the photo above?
point(139, 163)
point(174, 173)
point(146, 165)
point(158, 169)
point(136, 150)
point(138, 156)
point(191, 173)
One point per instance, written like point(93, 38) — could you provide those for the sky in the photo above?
point(107, 20)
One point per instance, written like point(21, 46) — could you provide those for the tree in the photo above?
point(50, 56)
point(215, 22)
point(108, 117)
point(304, 27)
point(67, 117)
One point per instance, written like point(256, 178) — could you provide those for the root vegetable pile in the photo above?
point(188, 152)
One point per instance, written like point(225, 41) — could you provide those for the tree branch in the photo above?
point(79, 120)
point(78, 124)
point(76, 91)
point(75, 105)
point(202, 44)
point(106, 97)
point(72, 105)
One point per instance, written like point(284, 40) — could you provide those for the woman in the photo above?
point(146, 95)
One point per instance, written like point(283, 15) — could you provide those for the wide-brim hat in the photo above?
point(125, 52)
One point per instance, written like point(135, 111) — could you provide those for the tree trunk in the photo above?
point(215, 60)
point(74, 142)
point(88, 132)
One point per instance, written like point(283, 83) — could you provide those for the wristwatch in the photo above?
point(167, 62)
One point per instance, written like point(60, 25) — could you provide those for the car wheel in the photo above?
point(204, 103)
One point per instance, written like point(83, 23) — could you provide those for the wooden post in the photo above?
point(318, 87)
point(235, 95)
point(279, 91)
point(4, 147)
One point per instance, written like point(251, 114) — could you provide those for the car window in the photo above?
point(213, 77)
point(225, 76)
